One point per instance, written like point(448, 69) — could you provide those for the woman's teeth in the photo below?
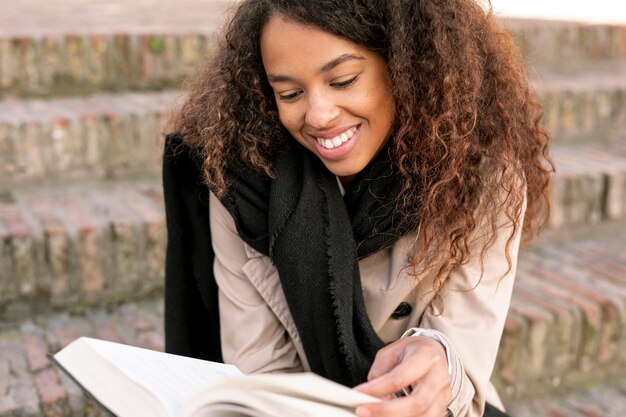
point(337, 140)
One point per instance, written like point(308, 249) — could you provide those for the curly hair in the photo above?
point(467, 125)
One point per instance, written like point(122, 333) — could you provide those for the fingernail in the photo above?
point(363, 412)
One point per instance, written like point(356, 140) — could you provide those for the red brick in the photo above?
point(134, 318)
point(590, 411)
point(149, 212)
point(538, 335)
point(58, 249)
point(151, 340)
point(129, 244)
point(589, 347)
point(154, 195)
point(551, 412)
point(64, 329)
point(14, 221)
point(599, 262)
point(565, 334)
point(49, 388)
point(18, 395)
point(611, 315)
point(35, 346)
point(9, 291)
point(103, 327)
point(92, 238)
point(510, 357)
point(545, 279)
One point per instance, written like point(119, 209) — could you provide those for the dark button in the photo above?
point(403, 310)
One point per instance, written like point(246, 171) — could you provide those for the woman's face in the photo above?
point(333, 96)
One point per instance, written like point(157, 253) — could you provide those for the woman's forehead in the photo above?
point(286, 43)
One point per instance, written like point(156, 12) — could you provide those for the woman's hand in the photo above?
point(418, 362)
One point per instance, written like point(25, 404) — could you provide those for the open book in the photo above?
point(127, 381)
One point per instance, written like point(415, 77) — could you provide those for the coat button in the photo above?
point(403, 310)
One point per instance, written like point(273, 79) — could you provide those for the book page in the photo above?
point(238, 402)
point(305, 386)
point(170, 378)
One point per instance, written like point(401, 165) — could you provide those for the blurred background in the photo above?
point(600, 11)
point(86, 87)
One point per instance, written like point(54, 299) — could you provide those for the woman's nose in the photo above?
point(321, 111)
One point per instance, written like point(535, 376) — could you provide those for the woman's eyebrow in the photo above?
point(339, 60)
point(324, 68)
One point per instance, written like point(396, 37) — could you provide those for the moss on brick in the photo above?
point(156, 45)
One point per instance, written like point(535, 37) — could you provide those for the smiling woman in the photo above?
point(347, 188)
point(332, 95)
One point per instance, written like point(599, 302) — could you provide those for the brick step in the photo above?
point(101, 136)
point(78, 47)
point(65, 47)
point(32, 387)
point(584, 108)
point(607, 399)
point(79, 246)
point(589, 186)
point(566, 326)
point(92, 242)
point(119, 135)
point(569, 47)
point(75, 63)
point(565, 331)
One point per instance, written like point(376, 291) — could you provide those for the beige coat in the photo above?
point(258, 333)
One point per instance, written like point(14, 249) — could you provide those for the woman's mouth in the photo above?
point(338, 140)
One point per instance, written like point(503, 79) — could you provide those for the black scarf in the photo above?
point(314, 237)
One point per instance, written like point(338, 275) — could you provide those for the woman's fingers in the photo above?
point(402, 364)
point(387, 358)
point(431, 401)
point(419, 362)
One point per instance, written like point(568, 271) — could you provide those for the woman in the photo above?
point(372, 167)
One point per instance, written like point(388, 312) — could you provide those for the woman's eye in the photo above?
point(344, 84)
point(289, 97)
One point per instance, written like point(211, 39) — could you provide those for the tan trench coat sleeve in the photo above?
point(473, 321)
point(256, 331)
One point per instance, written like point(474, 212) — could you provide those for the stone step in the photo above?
point(565, 331)
point(101, 136)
